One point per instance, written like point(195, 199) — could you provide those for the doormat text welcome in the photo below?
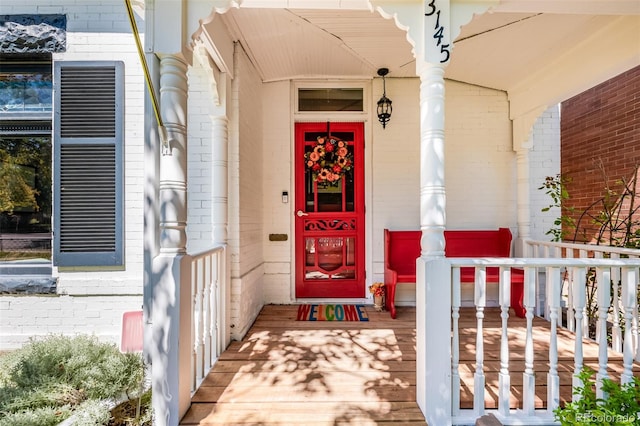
point(332, 313)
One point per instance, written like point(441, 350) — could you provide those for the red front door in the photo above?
point(329, 211)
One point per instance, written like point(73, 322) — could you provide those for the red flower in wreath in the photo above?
point(329, 160)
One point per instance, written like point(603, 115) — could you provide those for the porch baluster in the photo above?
point(216, 278)
point(206, 314)
point(455, 350)
point(194, 325)
point(635, 332)
point(585, 316)
point(480, 298)
point(598, 255)
point(199, 323)
point(579, 300)
point(629, 302)
point(616, 331)
point(538, 252)
point(554, 253)
point(542, 308)
point(553, 381)
point(528, 377)
point(504, 380)
point(569, 280)
point(603, 277)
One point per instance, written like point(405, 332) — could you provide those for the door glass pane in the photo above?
point(329, 183)
point(329, 258)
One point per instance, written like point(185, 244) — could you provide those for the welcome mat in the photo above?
point(338, 312)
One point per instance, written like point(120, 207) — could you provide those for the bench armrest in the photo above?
point(390, 277)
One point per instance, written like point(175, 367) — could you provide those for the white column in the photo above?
point(432, 192)
point(173, 163)
point(171, 304)
point(220, 186)
point(523, 201)
point(220, 219)
point(433, 289)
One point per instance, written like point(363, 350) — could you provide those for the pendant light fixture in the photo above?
point(384, 104)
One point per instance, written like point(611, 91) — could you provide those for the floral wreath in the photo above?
point(329, 160)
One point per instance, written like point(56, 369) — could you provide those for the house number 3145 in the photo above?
point(438, 31)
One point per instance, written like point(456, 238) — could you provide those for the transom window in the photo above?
point(330, 99)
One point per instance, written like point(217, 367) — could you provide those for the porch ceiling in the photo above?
point(518, 47)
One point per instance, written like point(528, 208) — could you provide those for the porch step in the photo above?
point(488, 420)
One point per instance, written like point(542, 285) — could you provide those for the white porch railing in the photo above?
point(551, 272)
point(207, 278)
point(543, 249)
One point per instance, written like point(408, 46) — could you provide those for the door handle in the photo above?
point(300, 213)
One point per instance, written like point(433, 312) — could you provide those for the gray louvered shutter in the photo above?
point(88, 138)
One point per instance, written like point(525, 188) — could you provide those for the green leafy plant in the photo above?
point(620, 406)
point(51, 379)
point(555, 187)
point(617, 220)
point(615, 223)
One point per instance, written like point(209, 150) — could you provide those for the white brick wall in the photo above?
point(200, 110)
point(278, 216)
point(96, 30)
point(101, 31)
point(25, 317)
point(480, 163)
point(245, 198)
point(545, 161)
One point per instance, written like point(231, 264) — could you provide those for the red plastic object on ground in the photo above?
point(132, 329)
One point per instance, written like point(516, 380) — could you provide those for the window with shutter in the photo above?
point(88, 159)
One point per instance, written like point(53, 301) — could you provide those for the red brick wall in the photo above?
point(600, 145)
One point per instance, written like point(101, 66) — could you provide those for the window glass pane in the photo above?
point(330, 99)
point(25, 197)
point(25, 87)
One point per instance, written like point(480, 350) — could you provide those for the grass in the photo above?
point(49, 380)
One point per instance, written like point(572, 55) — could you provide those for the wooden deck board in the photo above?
point(289, 372)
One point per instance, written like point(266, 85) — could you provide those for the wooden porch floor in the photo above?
point(288, 372)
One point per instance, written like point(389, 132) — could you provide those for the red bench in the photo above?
point(402, 248)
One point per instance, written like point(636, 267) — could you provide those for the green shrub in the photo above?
point(48, 380)
point(620, 406)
